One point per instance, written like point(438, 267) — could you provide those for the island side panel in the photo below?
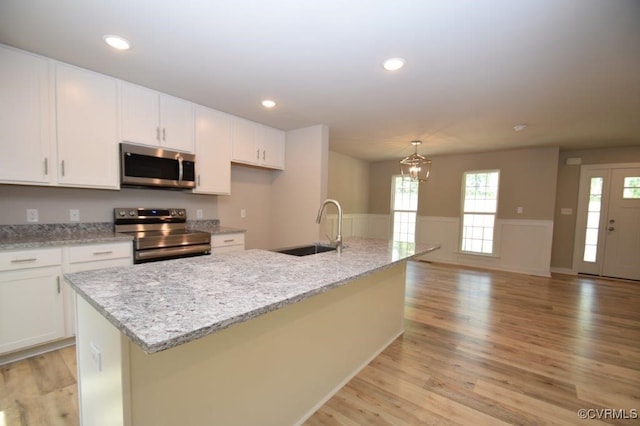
point(102, 357)
point(276, 369)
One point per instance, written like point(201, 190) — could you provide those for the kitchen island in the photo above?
point(255, 337)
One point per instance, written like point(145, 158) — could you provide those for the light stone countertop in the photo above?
point(19, 237)
point(160, 305)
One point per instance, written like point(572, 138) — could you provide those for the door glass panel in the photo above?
point(631, 187)
point(593, 220)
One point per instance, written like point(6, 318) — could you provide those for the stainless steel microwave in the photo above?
point(156, 167)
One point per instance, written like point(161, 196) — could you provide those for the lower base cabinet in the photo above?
point(36, 305)
point(225, 243)
point(31, 301)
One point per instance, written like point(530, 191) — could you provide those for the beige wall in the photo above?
point(298, 191)
point(95, 205)
point(349, 182)
point(251, 191)
point(527, 180)
point(567, 196)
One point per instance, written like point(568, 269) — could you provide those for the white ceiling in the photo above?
point(569, 69)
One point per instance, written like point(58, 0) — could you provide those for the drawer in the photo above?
point(96, 252)
point(25, 259)
point(222, 240)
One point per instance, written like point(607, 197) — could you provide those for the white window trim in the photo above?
point(392, 211)
point(496, 222)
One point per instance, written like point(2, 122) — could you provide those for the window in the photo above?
point(404, 205)
point(593, 220)
point(479, 206)
point(631, 188)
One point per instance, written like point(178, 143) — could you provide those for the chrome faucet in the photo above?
point(338, 241)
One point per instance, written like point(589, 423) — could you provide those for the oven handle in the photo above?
point(140, 255)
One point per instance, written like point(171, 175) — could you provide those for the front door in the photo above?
point(622, 244)
point(608, 229)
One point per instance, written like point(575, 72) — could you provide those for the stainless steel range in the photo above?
point(160, 234)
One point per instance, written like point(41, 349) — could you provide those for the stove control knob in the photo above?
point(122, 213)
point(132, 213)
point(181, 213)
point(173, 213)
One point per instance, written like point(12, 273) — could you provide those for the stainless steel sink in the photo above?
point(306, 250)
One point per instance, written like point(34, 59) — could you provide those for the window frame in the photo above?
point(393, 210)
point(461, 239)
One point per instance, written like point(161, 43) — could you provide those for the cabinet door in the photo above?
point(31, 310)
point(213, 152)
point(87, 128)
point(139, 114)
point(177, 123)
point(272, 154)
point(24, 118)
point(246, 141)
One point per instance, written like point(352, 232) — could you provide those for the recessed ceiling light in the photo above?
point(393, 64)
point(117, 42)
point(268, 103)
point(519, 127)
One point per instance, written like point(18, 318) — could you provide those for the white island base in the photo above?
point(275, 369)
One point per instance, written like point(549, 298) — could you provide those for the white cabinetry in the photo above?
point(153, 118)
point(87, 128)
point(31, 306)
point(273, 143)
point(88, 257)
point(24, 118)
point(225, 243)
point(213, 152)
point(257, 145)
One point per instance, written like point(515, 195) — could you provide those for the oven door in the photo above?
point(148, 166)
point(165, 253)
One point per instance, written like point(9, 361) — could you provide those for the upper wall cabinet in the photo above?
point(152, 118)
point(213, 152)
point(86, 128)
point(257, 145)
point(25, 140)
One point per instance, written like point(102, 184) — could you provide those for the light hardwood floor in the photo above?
point(480, 347)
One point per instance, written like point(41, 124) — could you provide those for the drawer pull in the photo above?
point(229, 241)
point(31, 259)
point(97, 253)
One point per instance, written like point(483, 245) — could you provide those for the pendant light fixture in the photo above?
point(416, 167)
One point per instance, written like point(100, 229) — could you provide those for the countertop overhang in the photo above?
point(160, 305)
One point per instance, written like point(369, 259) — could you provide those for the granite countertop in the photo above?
point(164, 304)
point(18, 237)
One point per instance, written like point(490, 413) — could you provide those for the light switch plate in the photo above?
point(566, 211)
point(74, 215)
point(199, 213)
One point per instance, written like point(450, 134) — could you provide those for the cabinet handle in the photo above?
point(164, 134)
point(97, 253)
point(257, 154)
point(62, 167)
point(264, 155)
point(46, 166)
point(198, 180)
point(31, 259)
point(58, 284)
point(158, 133)
point(229, 241)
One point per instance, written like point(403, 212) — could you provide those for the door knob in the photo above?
point(611, 228)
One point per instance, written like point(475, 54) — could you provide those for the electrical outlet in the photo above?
point(243, 213)
point(32, 215)
point(520, 210)
point(96, 356)
point(74, 215)
point(199, 213)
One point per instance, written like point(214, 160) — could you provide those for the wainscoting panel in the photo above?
point(521, 245)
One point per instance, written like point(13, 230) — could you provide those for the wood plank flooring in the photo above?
point(485, 348)
point(480, 347)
